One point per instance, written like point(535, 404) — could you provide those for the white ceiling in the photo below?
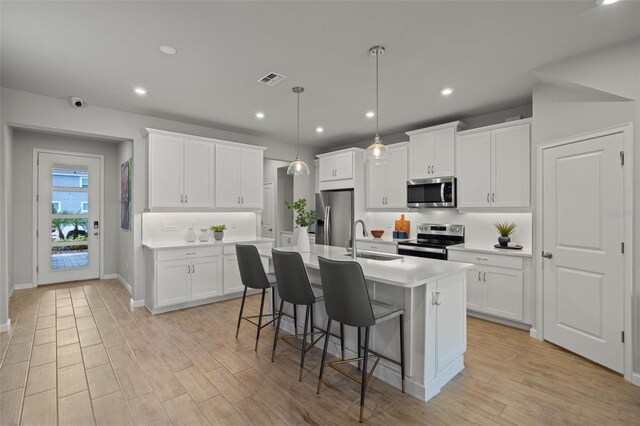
point(486, 50)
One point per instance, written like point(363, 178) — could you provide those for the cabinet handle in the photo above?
point(493, 197)
point(242, 199)
point(479, 278)
point(435, 298)
point(482, 259)
point(238, 199)
point(193, 269)
point(484, 277)
point(190, 253)
point(188, 269)
point(181, 199)
point(186, 198)
point(487, 197)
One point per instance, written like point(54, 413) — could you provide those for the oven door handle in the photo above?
point(423, 249)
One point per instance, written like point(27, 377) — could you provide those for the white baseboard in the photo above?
point(11, 291)
point(136, 303)
point(23, 286)
point(110, 276)
point(124, 283)
point(533, 333)
point(635, 379)
point(5, 327)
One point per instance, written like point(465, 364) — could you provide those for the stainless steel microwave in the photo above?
point(435, 192)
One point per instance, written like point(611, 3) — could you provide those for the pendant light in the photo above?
point(377, 152)
point(297, 166)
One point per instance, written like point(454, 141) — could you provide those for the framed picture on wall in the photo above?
point(125, 195)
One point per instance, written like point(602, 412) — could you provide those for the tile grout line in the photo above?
point(24, 391)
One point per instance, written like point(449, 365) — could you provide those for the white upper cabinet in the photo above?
point(238, 177)
point(494, 166)
point(198, 174)
point(387, 182)
point(336, 167)
point(184, 173)
point(165, 172)
point(432, 151)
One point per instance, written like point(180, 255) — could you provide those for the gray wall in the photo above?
point(21, 243)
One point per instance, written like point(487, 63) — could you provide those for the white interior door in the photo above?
point(583, 278)
point(68, 209)
point(268, 212)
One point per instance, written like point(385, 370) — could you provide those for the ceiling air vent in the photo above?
point(271, 79)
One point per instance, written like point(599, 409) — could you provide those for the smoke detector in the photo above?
point(271, 79)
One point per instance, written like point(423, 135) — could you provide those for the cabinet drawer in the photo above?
point(188, 253)
point(478, 258)
point(231, 249)
point(381, 247)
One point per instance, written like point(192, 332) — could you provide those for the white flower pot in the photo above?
point(302, 243)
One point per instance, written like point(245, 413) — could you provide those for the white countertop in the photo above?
point(490, 249)
point(383, 240)
point(407, 271)
point(211, 243)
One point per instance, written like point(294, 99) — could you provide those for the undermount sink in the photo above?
point(375, 256)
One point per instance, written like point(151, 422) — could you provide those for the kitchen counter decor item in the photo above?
point(191, 234)
point(218, 231)
point(204, 235)
point(505, 229)
point(304, 219)
point(401, 228)
point(515, 247)
point(377, 233)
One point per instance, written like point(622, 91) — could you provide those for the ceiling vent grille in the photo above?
point(271, 79)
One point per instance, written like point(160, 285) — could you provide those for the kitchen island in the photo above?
point(433, 295)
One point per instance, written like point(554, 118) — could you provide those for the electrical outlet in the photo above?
point(234, 224)
point(168, 226)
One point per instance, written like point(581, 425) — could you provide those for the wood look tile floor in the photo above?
point(78, 355)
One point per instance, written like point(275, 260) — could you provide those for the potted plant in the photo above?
point(505, 229)
point(218, 231)
point(304, 219)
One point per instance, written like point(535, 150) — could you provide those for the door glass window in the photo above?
point(69, 218)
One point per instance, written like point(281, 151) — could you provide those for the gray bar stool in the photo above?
point(346, 300)
point(294, 287)
point(253, 276)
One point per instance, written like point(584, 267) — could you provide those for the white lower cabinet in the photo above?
point(497, 285)
point(187, 277)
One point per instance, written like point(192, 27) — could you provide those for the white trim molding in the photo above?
point(136, 303)
point(124, 283)
point(23, 286)
point(6, 326)
point(636, 379)
point(110, 276)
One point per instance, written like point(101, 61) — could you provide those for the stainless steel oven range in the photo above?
point(432, 241)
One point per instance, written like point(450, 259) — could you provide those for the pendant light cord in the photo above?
point(298, 145)
point(377, 89)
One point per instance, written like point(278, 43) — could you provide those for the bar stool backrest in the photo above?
point(293, 282)
point(346, 297)
point(251, 270)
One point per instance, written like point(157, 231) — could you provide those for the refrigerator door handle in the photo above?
point(326, 225)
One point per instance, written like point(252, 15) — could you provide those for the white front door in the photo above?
point(268, 213)
point(583, 230)
point(68, 210)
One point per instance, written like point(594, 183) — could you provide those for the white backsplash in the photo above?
point(479, 227)
point(244, 224)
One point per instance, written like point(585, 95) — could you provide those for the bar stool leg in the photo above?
point(304, 341)
point(244, 296)
point(364, 372)
point(264, 291)
point(273, 305)
point(324, 355)
point(402, 349)
point(341, 338)
point(295, 319)
point(359, 346)
point(275, 339)
point(311, 323)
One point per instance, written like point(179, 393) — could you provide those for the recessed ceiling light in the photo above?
point(140, 90)
point(608, 2)
point(259, 114)
point(371, 114)
point(168, 50)
point(319, 129)
point(446, 91)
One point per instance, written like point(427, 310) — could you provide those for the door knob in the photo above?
point(547, 254)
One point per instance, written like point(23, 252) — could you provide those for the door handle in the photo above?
point(96, 234)
point(547, 254)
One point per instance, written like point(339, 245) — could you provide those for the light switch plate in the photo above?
point(168, 226)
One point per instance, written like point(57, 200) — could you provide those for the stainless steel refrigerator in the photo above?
point(336, 209)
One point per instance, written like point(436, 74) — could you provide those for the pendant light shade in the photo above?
point(377, 152)
point(297, 166)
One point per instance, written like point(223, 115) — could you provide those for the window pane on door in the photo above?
point(66, 177)
point(69, 229)
point(69, 257)
point(72, 202)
